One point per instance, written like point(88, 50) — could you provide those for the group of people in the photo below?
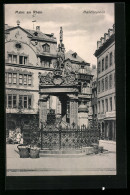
point(16, 136)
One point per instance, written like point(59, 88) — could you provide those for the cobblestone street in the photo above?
point(99, 164)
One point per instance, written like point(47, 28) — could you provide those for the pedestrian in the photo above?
point(18, 137)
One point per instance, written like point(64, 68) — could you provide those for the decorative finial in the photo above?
point(61, 35)
point(18, 23)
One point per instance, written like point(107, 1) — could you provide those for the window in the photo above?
point(18, 45)
point(106, 83)
point(106, 103)
point(15, 59)
point(82, 70)
point(111, 104)
point(14, 78)
point(110, 81)
point(99, 107)
point(14, 101)
point(46, 48)
point(47, 64)
point(29, 79)
point(29, 101)
point(5, 78)
point(111, 59)
point(9, 58)
point(103, 64)
point(115, 102)
point(25, 101)
point(20, 101)
point(10, 78)
point(9, 101)
point(106, 62)
point(99, 66)
point(85, 88)
point(98, 86)
point(23, 59)
point(102, 84)
point(102, 106)
point(25, 79)
point(20, 79)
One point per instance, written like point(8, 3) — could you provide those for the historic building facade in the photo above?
point(30, 54)
point(82, 68)
point(106, 96)
point(94, 92)
point(27, 52)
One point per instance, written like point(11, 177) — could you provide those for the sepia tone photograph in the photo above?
point(60, 89)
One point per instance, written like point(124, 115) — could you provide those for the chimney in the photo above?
point(110, 32)
point(102, 40)
point(113, 28)
point(37, 28)
point(99, 44)
point(105, 37)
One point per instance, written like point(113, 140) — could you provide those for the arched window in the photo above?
point(46, 48)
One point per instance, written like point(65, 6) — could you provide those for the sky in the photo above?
point(81, 29)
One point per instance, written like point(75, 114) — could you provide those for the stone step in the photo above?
point(62, 155)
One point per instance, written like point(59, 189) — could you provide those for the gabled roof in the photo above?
point(69, 55)
point(40, 36)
